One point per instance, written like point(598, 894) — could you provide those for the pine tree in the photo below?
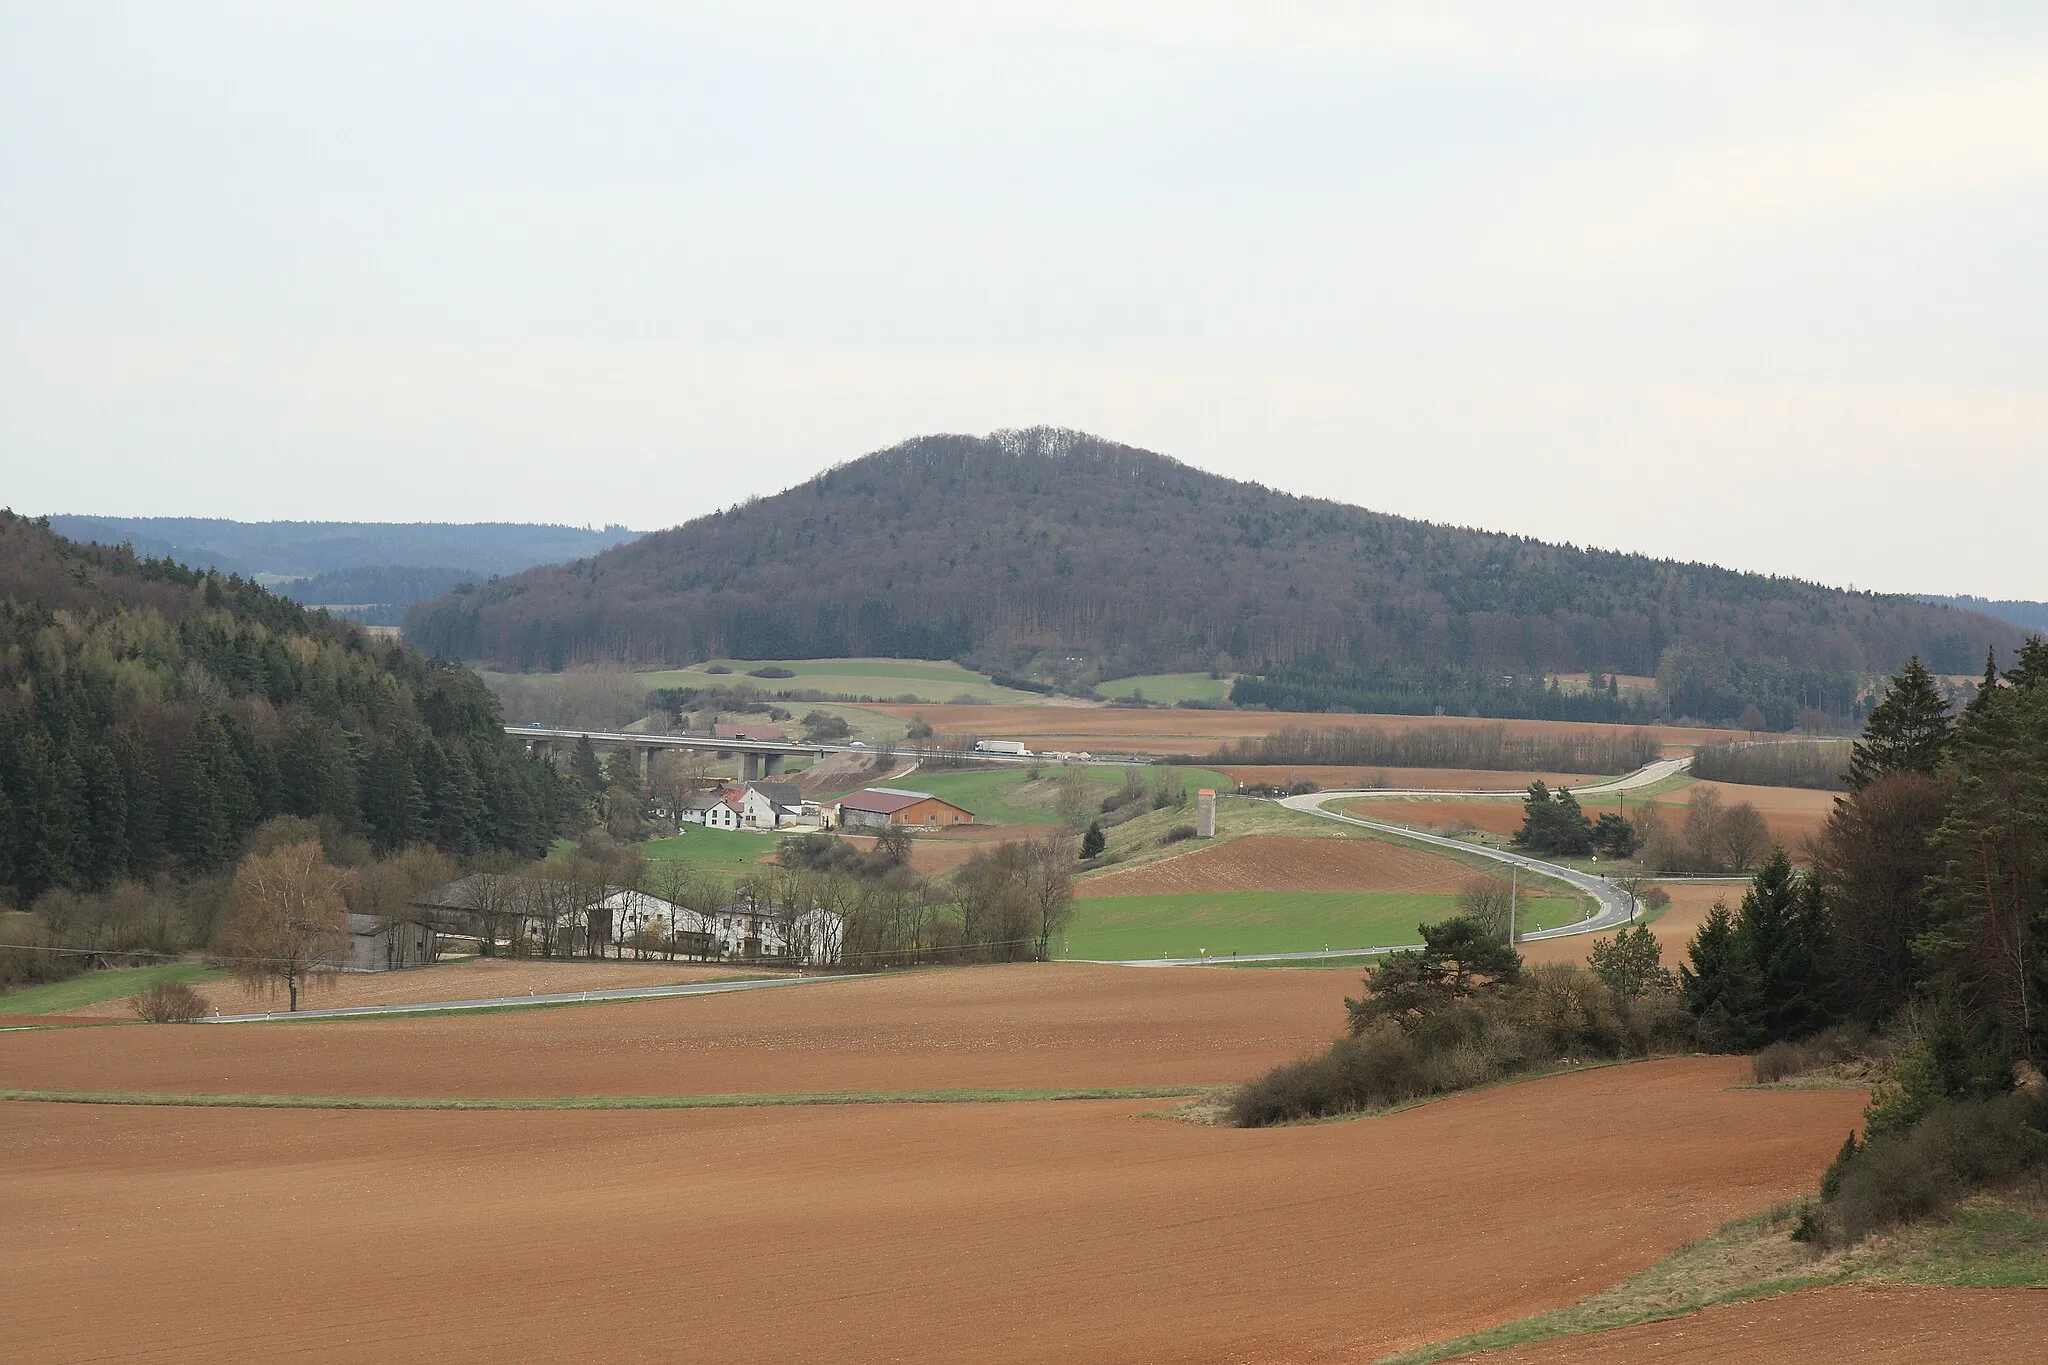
point(1719, 982)
point(584, 767)
point(144, 824)
point(1986, 689)
point(202, 833)
point(1910, 730)
point(106, 818)
point(1783, 931)
point(1094, 841)
point(2031, 666)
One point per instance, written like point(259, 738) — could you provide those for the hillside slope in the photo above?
point(303, 548)
point(1028, 547)
point(152, 715)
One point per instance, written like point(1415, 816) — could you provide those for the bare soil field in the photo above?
point(1495, 817)
point(1861, 1324)
point(1125, 728)
point(1673, 929)
point(1053, 1024)
point(481, 979)
point(1074, 1231)
point(1269, 862)
point(1432, 779)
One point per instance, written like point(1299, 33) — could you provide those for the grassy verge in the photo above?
point(1989, 1241)
point(93, 988)
point(172, 1099)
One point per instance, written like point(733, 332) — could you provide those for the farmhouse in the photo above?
point(741, 929)
point(877, 806)
point(754, 805)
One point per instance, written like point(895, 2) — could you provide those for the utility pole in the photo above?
point(1514, 898)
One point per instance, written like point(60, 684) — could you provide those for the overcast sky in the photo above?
point(1763, 285)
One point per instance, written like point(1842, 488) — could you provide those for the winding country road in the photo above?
point(1615, 908)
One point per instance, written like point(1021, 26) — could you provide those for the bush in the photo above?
point(771, 671)
point(1178, 834)
point(1776, 1062)
point(1957, 1147)
point(1553, 1014)
point(719, 669)
point(169, 1002)
point(1833, 1047)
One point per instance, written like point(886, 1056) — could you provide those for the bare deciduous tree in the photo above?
point(290, 920)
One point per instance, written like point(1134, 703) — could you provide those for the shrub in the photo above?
point(771, 671)
point(1551, 1014)
point(1776, 1062)
point(169, 1002)
point(1957, 1146)
point(719, 669)
point(1178, 833)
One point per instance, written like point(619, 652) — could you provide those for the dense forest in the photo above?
point(377, 594)
point(151, 716)
point(298, 549)
point(1023, 550)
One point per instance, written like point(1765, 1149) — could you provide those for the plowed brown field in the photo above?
point(1852, 1325)
point(1169, 731)
point(1078, 1231)
point(1495, 817)
point(1421, 779)
point(1056, 1024)
point(480, 980)
point(1271, 862)
point(1673, 929)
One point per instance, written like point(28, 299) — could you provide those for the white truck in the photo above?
point(1001, 746)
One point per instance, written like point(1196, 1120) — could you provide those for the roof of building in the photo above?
point(887, 800)
point(781, 793)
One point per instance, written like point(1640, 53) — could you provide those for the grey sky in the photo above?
point(1762, 285)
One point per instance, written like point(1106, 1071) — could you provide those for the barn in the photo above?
point(877, 806)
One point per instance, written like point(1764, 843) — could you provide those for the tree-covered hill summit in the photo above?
point(1025, 549)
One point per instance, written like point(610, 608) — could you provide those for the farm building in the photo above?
point(741, 929)
point(378, 944)
point(876, 806)
point(754, 805)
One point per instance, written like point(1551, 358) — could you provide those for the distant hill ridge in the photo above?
point(293, 549)
point(1031, 549)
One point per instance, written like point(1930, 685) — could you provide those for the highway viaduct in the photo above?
point(758, 757)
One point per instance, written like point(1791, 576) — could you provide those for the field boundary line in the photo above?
point(495, 1103)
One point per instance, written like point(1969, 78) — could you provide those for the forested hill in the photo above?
point(152, 715)
point(1025, 547)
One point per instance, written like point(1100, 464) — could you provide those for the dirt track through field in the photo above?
point(1055, 1024)
point(1271, 862)
point(1851, 1325)
point(1079, 1231)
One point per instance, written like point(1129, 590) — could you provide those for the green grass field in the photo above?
point(1118, 928)
point(94, 987)
point(1006, 795)
point(718, 850)
point(1170, 687)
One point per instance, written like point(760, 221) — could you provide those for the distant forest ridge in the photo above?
point(300, 549)
point(2029, 616)
point(1057, 555)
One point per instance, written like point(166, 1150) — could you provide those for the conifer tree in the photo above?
point(1094, 841)
point(584, 767)
point(1719, 982)
point(1910, 730)
point(1783, 932)
point(2031, 666)
point(1987, 689)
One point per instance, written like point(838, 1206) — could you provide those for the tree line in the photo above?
point(152, 717)
point(1490, 747)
